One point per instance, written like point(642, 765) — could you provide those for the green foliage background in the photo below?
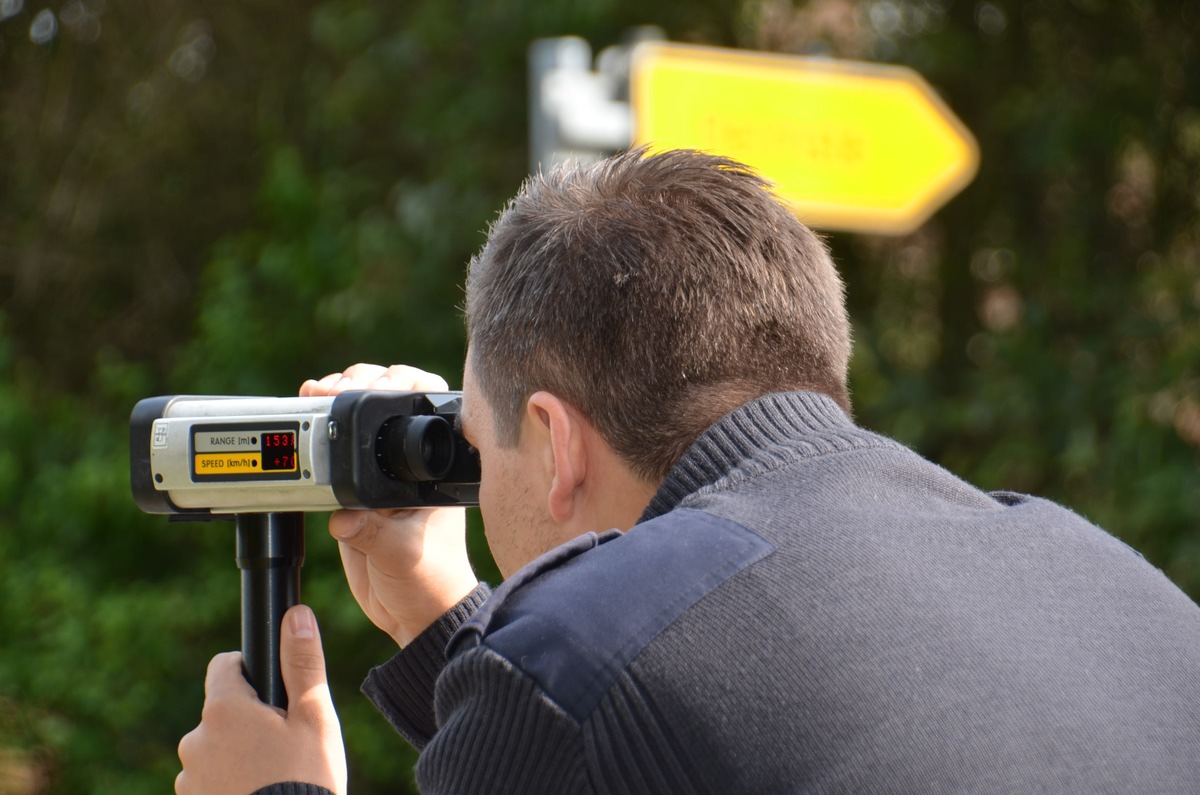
point(229, 198)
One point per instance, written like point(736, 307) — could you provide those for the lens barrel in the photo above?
point(415, 448)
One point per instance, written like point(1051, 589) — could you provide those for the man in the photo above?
point(715, 581)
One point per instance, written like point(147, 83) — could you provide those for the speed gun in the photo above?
point(264, 462)
point(206, 455)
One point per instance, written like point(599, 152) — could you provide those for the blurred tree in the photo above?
point(231, 198)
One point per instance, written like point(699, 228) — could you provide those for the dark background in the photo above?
point(232, 197)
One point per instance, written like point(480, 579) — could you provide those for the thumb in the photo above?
point(302, 663)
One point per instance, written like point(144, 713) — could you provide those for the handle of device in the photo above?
point(270, 553)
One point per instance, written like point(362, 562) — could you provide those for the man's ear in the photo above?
point(565, 452)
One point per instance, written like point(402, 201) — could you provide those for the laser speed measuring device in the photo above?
point(203, 455)
point(264, 462)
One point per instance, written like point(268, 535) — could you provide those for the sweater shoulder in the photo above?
point(573, 620)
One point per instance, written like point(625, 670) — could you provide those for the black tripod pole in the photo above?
point(270, 552)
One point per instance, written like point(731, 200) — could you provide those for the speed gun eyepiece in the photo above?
point(220, 455)
point(416, 448)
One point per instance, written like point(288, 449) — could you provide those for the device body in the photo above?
point(206, 455)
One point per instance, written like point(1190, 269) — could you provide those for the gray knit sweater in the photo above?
point(809, 607)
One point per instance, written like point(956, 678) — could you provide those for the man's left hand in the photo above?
point(243, 745)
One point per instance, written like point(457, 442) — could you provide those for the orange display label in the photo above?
point(230, 463)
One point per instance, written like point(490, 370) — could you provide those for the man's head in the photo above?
point(653, 294)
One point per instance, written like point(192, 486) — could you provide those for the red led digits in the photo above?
point(279, 452)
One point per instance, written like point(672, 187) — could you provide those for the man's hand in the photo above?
point(242, 744)
point(405, 567)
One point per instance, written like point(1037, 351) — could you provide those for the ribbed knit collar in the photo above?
point(800, 424)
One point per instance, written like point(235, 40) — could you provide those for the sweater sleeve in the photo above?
point(292, 788)
point(402, 688)
point(498, 733)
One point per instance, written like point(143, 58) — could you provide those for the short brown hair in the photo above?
point(655, 293)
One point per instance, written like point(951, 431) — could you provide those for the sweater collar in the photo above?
point(803, 423)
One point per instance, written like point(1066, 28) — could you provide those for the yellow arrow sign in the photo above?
point(854, 146)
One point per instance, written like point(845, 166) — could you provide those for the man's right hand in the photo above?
point(408, 566)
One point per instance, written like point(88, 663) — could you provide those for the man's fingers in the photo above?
point(398, 377)
point(385, 535)
point(225, 677)
point(302, 662)
point(318, 388)
point(403, 378)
